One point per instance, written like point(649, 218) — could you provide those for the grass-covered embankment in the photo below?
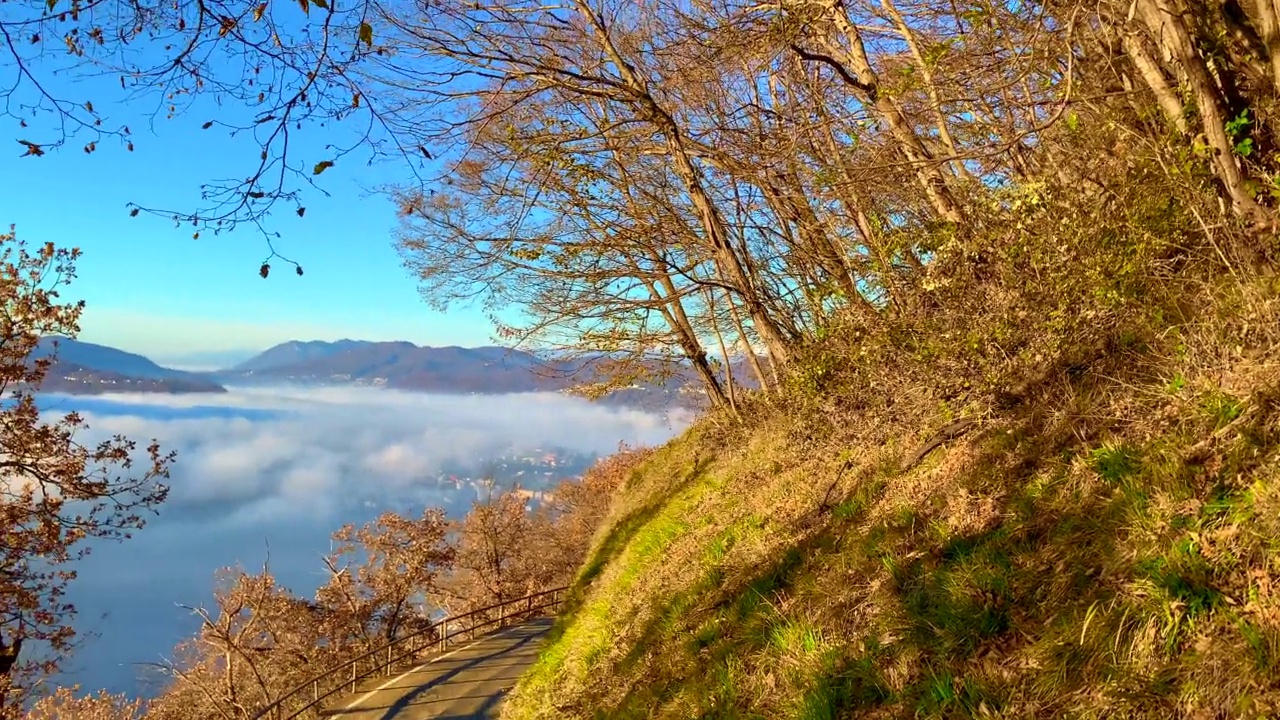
point(1107, 548)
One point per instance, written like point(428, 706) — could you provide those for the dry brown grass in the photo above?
point(1105, 546)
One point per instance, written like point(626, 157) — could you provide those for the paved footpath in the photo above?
point(464, 684)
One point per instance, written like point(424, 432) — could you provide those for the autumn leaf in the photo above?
point(133, 212)
point(302, 211)
point(355, 100)
point(306, 8)
point(32, 148)
point(298, 269)
point(366, 34)
point(264, 270)
point(207, 125)
point(323, 4)
point(321, 167)
point(258, 11)
point(425, 154)
point(195, 236)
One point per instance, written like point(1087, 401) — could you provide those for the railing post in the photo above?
point(389, 649)
point(315, 691)
point(353, 676)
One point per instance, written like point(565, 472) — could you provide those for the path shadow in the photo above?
point(531, 632)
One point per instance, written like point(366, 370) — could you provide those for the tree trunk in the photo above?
point(728, 265)
point(1154, 78)
point(1169, 23)
point(926, 75)
point(865, 81)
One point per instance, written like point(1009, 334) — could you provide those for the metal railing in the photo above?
point(436, 636)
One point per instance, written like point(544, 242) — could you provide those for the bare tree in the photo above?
point(380, 575)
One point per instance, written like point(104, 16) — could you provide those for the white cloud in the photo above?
point(318, 449)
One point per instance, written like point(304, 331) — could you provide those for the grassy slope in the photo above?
point(1112, 553)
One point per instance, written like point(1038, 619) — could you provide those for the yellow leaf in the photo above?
point(366, 34)
point(321, 167)
point(258, 11)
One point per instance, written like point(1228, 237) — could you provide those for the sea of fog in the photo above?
point(269, 473)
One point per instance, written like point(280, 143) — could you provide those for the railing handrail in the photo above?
point(353, 662)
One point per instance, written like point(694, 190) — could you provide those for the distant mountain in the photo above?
point(297, 351)
point(454, 370)
point(401, 365)
point(101, 357)
point(88, 368)
point(72, 379)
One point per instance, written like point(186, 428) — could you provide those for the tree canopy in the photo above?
point(673, 182)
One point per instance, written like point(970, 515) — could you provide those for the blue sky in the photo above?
point(152, 289)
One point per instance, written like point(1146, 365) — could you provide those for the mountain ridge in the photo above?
point(452, 369)
point(91, 368)
point(85, 368)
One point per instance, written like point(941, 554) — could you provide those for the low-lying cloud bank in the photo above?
point(310, 452)
point(274, 471)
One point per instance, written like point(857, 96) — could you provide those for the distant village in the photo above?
point(455, 485)
point(528, 467)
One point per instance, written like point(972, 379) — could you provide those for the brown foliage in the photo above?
point(261, 640)
point(514, 542)
point(570, 514)
point(492, 564)
point(55, 492)
point(375, 600)
point(64, 704)
point(258, 641)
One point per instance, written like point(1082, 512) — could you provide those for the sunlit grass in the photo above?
point(1102, 578)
